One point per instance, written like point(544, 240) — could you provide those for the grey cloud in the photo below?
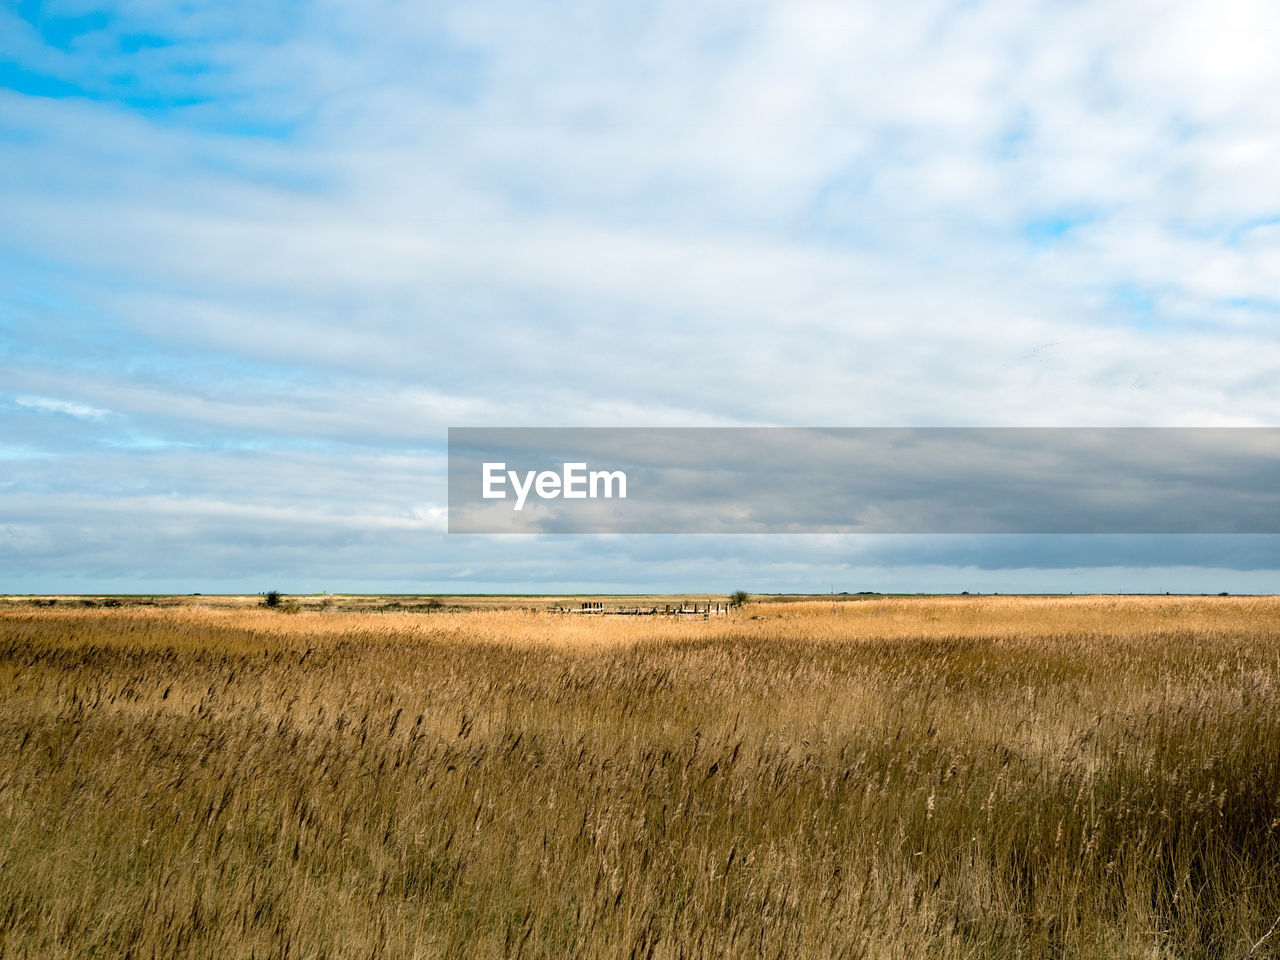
point(727, 480)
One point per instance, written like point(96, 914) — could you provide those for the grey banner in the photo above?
point(864, 480)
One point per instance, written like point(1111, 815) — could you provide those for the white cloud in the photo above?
point(799, 212)
point(69, 407)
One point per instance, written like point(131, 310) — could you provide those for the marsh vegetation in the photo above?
point(947, 777)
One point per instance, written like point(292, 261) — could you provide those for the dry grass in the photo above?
point(1085, 777)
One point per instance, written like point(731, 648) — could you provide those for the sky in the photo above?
point(257, 258)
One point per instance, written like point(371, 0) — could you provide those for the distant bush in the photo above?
point(739, 597)
point(272, 599)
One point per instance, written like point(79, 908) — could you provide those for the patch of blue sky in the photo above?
point(294, 178)
point(49, 310)
point(61, 31)
point(1132, 304)
point(36, 338)
point(135, 42)
point(120, 88)
point(260, 128)
point(1243, 232)
point(12, 452)
point(43, 424)
point(1046, 231)
point(1015, 136)
point(120, 67)
point(149, 26)
point(1138, 306)
point(32, 83)
point(145, 443)
point(57, 411)
point(48, 425)
point(1147, 309)
point(842, 211)
point(52, 315)
point(190, 72)
point(1253, 304)
point(181, 436)
point(451, 74)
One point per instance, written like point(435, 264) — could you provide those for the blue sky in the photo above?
point(255, 259)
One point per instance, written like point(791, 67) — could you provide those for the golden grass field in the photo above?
point(918, 777)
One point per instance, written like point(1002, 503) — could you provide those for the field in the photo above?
point(876, 777)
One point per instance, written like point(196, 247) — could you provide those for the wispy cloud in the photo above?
point(69, 407)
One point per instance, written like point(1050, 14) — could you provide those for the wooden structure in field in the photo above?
point(710, 609)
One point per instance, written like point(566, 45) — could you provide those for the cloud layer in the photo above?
point(257, 258)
